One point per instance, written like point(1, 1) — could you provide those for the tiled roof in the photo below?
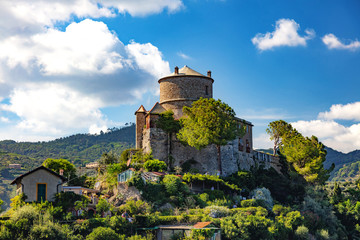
point(201, 224)
point(157, 109)
point(36, 169)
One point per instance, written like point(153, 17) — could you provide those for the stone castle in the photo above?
point(180, 89)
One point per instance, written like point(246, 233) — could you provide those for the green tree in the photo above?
point(306, 156)
point(167, 123)
point(57, 164)
point(102, 233)
point(109, 158)
point(337, 194)
point(155, 165)
point(279, 130)
point(102, 206)
point(1, 203)
point(209, 121)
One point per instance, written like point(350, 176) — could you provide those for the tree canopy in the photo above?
point(306, 155)
point(167, 122)
point(57, 164)
point(279, 130)
point(209, 121)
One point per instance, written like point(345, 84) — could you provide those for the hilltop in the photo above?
point(78, 149)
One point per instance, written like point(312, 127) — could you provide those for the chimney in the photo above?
point(209, 73)
point(61, 172)
point(176, 70)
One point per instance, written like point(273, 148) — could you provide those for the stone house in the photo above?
point(39, 184)
point(180, 89)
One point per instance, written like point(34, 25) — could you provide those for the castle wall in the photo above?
point(176, 107)
point(233, 160)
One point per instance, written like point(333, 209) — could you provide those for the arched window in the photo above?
point(206, 90)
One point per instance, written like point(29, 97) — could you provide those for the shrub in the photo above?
point(102, 206)
point(48, 230)
point(120, 225)
point(249, 203)
point(264, 195)
point(217, 211)
point(27, 212)
point(246, 227)
point(137, 237)
point(135, 207)
point(137, 181)
point(280, 210)
point(102, 233)
point(302, 232)
point(155, 165)
point(323, 234)
point(5, 233)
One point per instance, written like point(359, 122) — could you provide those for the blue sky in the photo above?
point(80, 66)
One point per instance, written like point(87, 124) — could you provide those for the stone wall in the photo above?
point(233, 160)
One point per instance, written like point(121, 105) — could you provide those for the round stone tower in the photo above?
point(182, 88)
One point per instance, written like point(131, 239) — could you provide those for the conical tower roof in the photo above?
point(187, 71)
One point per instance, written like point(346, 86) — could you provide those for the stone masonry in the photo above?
point(180, 89)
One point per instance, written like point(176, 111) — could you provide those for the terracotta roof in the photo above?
point(141, 110)
point(158, 173)
point(202, 224)
point(36, 169)
point(157, 108)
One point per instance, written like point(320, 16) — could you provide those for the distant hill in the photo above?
point(79, 149)
point(342, 160)
point(349, 172)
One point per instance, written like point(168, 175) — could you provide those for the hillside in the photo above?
point(79, 149)
point(349, 172)
point(340, 160)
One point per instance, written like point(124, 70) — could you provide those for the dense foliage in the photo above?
point(306, 155)
point(209, 121)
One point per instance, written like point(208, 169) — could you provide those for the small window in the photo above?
point(206, 90)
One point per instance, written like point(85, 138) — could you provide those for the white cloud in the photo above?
point(24, 16)
point(87, 57)
point(54, 109)
point(332, 42)
point(148, 58)
point(320, 128)
point(56, 80)
point(285, 34)
point(350, 111)
point(87, 46)
point(4, 119)
point(331, 133)
point(143, 7)
point(183, 55)
point(263, 141)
